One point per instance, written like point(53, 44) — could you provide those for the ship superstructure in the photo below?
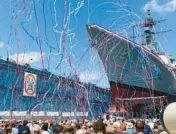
point(140, 65)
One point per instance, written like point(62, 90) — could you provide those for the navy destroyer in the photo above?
point(143, 66)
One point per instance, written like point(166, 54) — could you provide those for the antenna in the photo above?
point(162, 32)
point(7, 54)
point(148, 31)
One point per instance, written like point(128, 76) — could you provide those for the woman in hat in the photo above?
point(130, 128)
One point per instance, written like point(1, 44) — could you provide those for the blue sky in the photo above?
point(29, 28)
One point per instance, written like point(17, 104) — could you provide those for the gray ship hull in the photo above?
point(131, 64)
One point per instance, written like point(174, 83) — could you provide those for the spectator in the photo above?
point(139, 127)
point(56, 128)
point(130, 128)
point(68, 129)
point(85, 127)
point(14, 128)
point(151, 124)
point(110, 129)
point(99, 127)
point(117, 126)
point(45, 128)
point(147, 128)
point(80, 131)
point(24, 129)
point(50, 129)
point(123, 125)
point(155, 129)
point(36, 128)
point(8, 128)
point(1, 127)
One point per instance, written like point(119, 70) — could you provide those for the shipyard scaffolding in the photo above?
point(147, 107)
point(137, 102)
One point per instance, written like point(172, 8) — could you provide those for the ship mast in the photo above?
point(148, 26)
point(148, 31)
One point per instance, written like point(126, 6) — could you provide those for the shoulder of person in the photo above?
point(45, 132)
point(164, 132)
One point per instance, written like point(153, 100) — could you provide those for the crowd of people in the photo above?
point(100, 126)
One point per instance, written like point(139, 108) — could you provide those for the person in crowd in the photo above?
point(31, 128)
point(45, 128)
point(90, 127)
point(8, 129)
point(24, 129)
point(110, 129)
point(123, 125)
point(77, 126)
point(80, 131)
point(99, 127)
point(36, 127)
point(67, 128)
point(151, 124)
point(139, 127)
point(83, 127)
point(130, 128)
point(14, 128)
point(133, 122)
point(155, 129)
point(1, 127)
point(57, 128)
point(147, 128)
point(117, 126)
point(50, 129)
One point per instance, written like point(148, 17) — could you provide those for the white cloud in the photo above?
point(2, 44)
point(89, 76)
point(29, 57)
point(156, 7)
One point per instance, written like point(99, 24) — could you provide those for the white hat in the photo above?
point(68, 123)
point(129, 125)
point(73, 124)
point(116, 124)
point(110, 129)
point(154, 120)
point(80, 131)
point(89, 124)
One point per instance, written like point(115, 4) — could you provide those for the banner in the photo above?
point(30, 81)
point(67, 114)
point(4, 113)
point(41, 113)
point(53, 113)
point(19, 113)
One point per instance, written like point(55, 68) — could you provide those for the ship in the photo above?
point(30, 93)
point(143, 68)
